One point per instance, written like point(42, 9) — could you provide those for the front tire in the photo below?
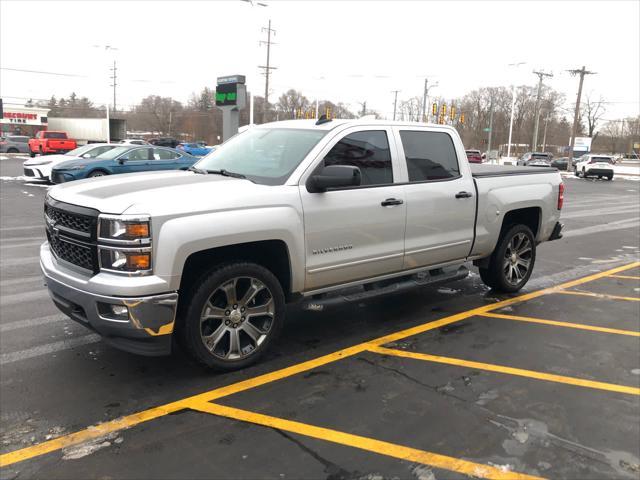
point(511, 263)
point(232, 315)
point(97, 173)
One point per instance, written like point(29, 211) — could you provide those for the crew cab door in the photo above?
point(356, 232)
point(440, 197)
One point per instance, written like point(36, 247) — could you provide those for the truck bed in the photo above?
point(479, 171)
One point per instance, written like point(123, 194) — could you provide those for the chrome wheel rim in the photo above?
point(517, 258)
point(237, 318)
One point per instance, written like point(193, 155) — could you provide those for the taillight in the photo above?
point(560, 196)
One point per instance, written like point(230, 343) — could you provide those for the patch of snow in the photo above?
point(422, 472)
point(75, 452)
point(447, 290)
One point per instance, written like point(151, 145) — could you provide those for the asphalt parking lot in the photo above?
point(446, 382)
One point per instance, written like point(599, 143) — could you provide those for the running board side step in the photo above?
point(425, 278)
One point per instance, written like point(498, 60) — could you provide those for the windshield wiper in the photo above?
point(197, 170)
point(226, 173)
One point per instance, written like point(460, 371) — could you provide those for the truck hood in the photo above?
point(157, 193)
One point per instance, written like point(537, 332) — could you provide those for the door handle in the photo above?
point(464, 195)
point(389, 202)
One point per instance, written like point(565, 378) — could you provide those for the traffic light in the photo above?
point(434, 109)
point(452, 113)
point(462, 118)
point(443, 109)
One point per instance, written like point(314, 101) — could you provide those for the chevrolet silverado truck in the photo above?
point(47, 141)
point(326, 211)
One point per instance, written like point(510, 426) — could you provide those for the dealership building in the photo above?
point(18, 120)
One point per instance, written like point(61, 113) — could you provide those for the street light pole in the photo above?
point(395, 103)
point(425, 98)
point(534, 140)
point(513, 106)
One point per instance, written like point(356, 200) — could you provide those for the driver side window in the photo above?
point(367, 150)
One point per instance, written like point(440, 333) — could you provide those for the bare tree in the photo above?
point(593, 111)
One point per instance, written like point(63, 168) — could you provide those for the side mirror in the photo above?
point(334, 176)
point(122, 160)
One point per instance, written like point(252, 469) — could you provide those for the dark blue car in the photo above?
point(124, 159)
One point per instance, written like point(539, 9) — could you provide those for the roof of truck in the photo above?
point(333, 123)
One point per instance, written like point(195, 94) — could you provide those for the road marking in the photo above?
point(20, 281)
point(363, 443)
point(23, 297)
point(31, 322)
point(135, 419)
point(627, 277)
point(12, 262)
point(605, 227)
point(26, 227)
point(561, 324)
point(20, 245)
point(598, 295)
point(48, 348)
point(550, 377)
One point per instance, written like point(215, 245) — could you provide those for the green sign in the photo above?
point(486, 129)
point(227, 94)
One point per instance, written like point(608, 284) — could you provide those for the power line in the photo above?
point(43, 72)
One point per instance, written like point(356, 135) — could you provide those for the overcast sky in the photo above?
point(342, 51)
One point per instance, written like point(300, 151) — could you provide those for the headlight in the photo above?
point(125, 260)
point(125, 229)
point(76, 167)
point(124, 244)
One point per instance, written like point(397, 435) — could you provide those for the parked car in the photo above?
point(40, 167)
point(164, 142)
point(47, 141)
point(282, 212)
point(14, 144)
point(561, 163)
point(537, 157)
point(196, 149)
point(595, 166)
point(134, 141)
point(123, 159)
point(474, 156)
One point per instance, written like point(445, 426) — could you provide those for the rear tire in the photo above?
point(32, 154)
point(609, 177)
point(13, 150)
point(512, 262)
point(232, 315)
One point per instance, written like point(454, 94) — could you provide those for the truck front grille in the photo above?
point(72, 233)
point(80, 255)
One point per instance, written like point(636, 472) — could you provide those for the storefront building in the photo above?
point(23, 120)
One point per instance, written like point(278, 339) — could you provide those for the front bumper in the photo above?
point(36, 172)
point(146, 330)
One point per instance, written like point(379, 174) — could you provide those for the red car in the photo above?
point(47, 141)
point(474, 156)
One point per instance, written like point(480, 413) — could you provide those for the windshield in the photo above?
point(601, 160)
point(113, 153)
point(80, 150)
point(266, 156)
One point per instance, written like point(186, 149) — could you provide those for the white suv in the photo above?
point(595, 166)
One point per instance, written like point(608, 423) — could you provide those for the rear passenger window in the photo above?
point(430, 155)
point(368, 151)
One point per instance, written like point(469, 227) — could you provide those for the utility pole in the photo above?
point(534, 141)
point(114, 84)
point(267, 69)
point(364, 108)
point(576, 116)
point(425, 98)
point(395, 103)
point(490, 127)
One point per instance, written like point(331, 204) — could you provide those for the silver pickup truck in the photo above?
point(333, 210)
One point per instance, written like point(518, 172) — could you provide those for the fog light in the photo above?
point(120, 311)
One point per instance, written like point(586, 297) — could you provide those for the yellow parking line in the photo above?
point(555, 323)
point(628, 277)
point(363, 443)
point(598, 295)
point(137, 418)
point(508, 370)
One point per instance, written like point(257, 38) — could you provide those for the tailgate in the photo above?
point(61, 144)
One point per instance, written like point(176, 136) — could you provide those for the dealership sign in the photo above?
point(25, 116)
